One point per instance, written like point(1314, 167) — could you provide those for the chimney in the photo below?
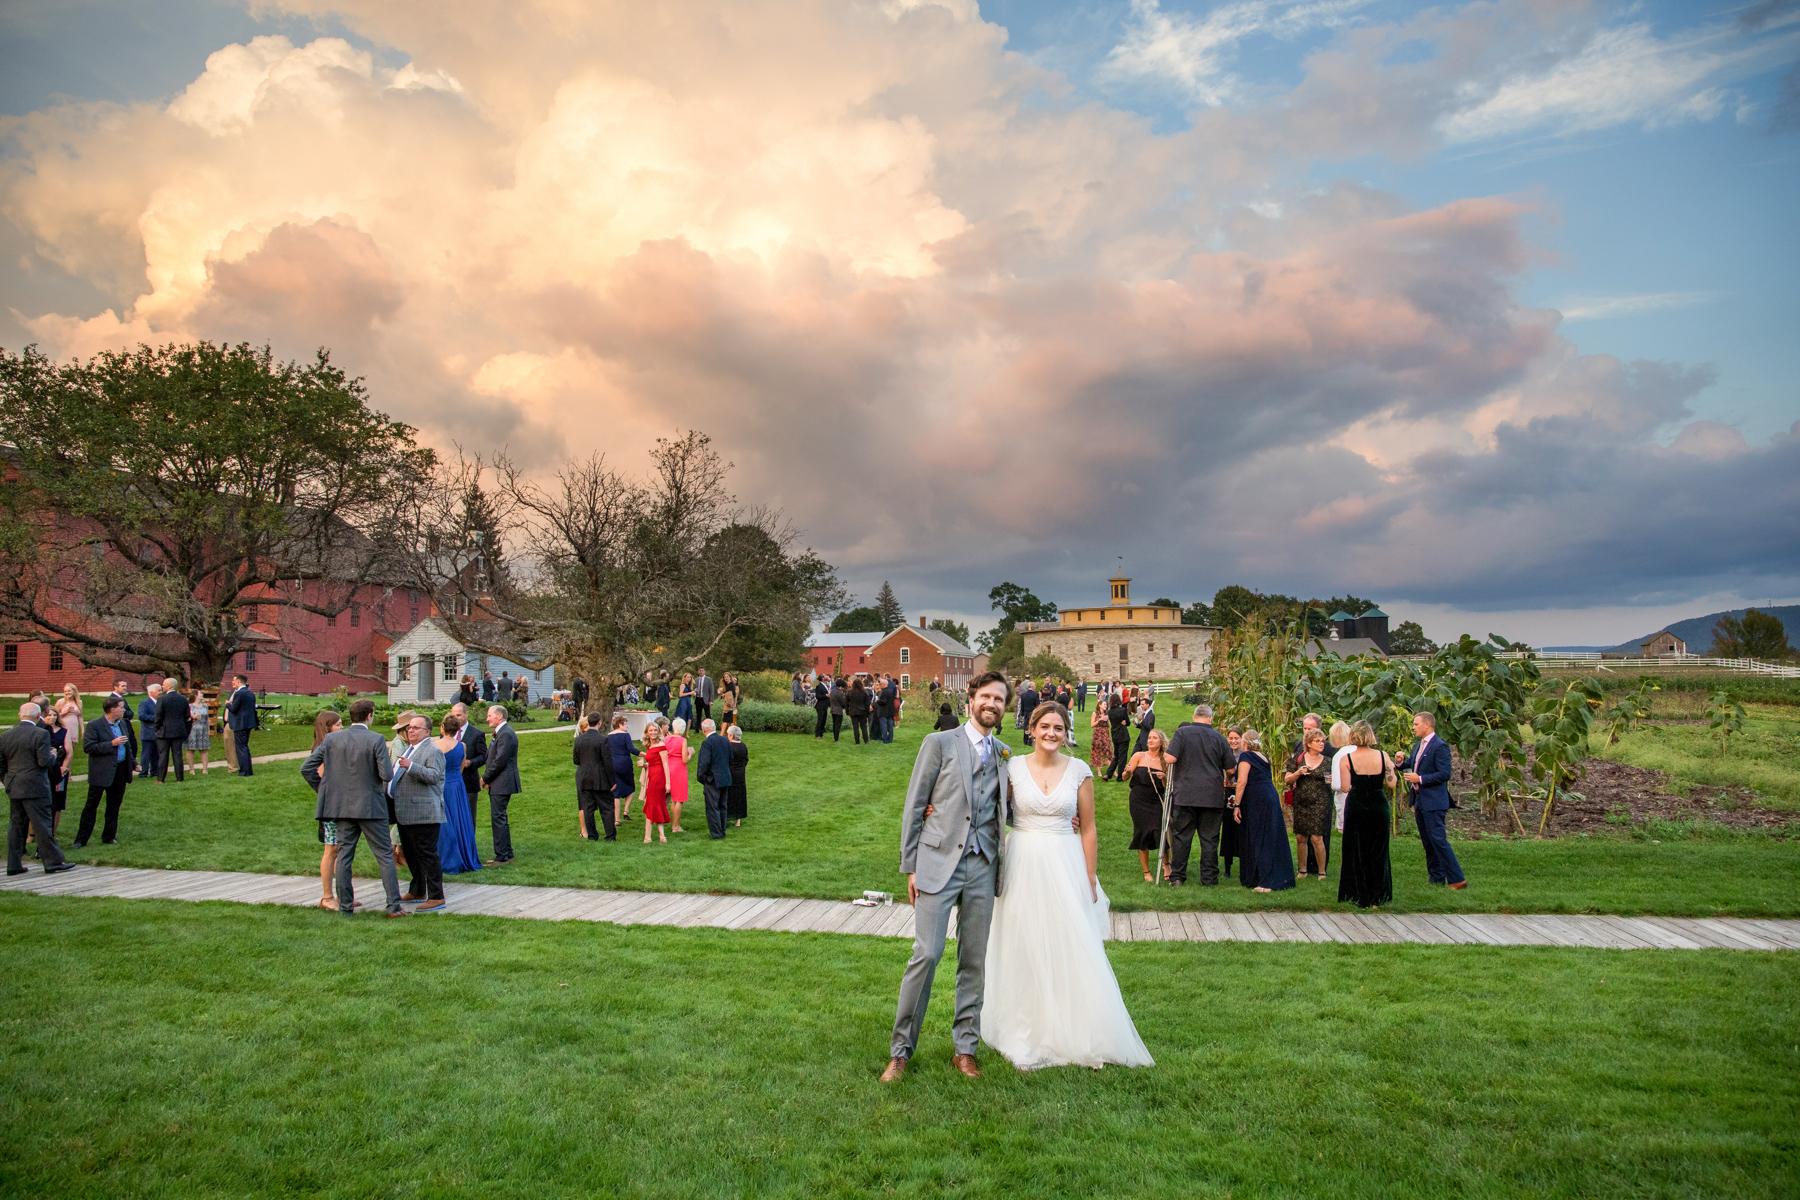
point(921, 622)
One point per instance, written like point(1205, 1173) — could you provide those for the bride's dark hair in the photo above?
point(1049, 708)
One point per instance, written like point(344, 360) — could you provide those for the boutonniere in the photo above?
point(1005, 751)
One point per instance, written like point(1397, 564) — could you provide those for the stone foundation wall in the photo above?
point(1151, 651)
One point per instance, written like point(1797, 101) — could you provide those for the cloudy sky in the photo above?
point(1486, 311)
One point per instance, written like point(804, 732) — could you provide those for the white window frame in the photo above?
point(404, 666)
point(906, 655)
point(449, 661)
point(905, 680)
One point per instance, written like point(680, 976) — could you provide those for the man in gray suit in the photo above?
point(26, 756)
point(705, 692)
point(351, 768)
point(417, 792)
point(951, 838)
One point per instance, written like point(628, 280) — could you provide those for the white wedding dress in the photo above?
point(1052, 999)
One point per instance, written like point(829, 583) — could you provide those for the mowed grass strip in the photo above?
point(157, 1048)
point(825, 822)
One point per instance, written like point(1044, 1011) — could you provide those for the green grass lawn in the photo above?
point(825, 822)
point(157, 1048)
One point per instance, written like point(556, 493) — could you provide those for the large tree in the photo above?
point(856, 620)
point(158, 497)
point(887, 607)
point(617, 575)
point(1409, 638)
point(955, 629)
point(1017, 606)
point(1754, 635)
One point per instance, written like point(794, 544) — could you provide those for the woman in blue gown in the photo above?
point(456, 836)
point(1267, 864)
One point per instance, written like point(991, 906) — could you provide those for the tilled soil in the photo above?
point(1614, 789)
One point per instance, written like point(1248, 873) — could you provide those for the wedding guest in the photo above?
point(1308, 723)
point(821, 698)
point(662, 694)
point(840, 699)
point(522, 689)
point(503, 688)
point(714, 774)
point(112, 750)
point(1339, 738)
point(1081, 691)
point(417, 790)
point(240, 716)
point(1365, 874)
point(594, 780)
point(705, 692)
point(797, 692)
point(737, 804)
point(946, 719)
point(1148, 771)
point(1118, 716)
point(72, 694)
point(624, 776)
point(684, 701)
point(656, 786)
point(1309, 774)
point(729, 696)
point(1426, 769)
point(887, 709)
point(325, 723)
point(859, 705)
point(474, 757)
point(457, 851)
point(1099, 741)
point(1267, 866)
point(351, 769)
point(199, 739)
point(174, 721)
point(501, 779)
point(680, 754)
point(65, 736)
point(487, 686)
point(1198, 761)
point(1028, 704)
point(26, 756)
point(465, 694)
point(1145, 722)
point(1231, 838)
point(146, 714)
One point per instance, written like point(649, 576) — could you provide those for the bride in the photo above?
point(1052, 999)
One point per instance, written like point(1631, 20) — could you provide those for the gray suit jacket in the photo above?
point(419, 789)
point(943, 778)
point(356, 770)
point(28, 754)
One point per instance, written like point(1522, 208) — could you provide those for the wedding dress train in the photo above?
point(1052, 999)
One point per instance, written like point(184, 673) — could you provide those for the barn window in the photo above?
point(1090, 647)
point(325, 667)
point(405, 668)
point(56, 658)
point(350, 664)
point(1124, 654)
point(249, 660)
point(355, 615)
point(412, 614)
point(287, 663)
point(11, 659)
point(331, 621)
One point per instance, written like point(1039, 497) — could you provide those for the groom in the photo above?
point(950, 843)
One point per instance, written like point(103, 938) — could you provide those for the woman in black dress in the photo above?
point(1149, 773)
point(1365, 875)
point(1231, 842)
point(1309, 774)
point(737, 796)
point(859, 705)
point(1268, 865)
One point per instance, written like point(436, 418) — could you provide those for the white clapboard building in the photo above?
point(427, 662)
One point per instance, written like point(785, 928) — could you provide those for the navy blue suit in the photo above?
point(1431, 802)
point(713, 768)
point(240, 716)
point(147, 721)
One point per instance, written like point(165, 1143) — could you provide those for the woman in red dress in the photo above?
point(656, 787)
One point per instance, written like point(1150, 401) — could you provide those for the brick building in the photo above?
point(839, 654)
point(914, 654)
point(1123, 640)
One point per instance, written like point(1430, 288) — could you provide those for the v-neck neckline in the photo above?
point(1039, 786)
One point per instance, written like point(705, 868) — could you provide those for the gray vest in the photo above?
point(984, 805)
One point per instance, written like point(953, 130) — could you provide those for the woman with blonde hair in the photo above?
point(1148, 771)
point(1365, 873)
point(1309, 774)
point(680, 754)
point(1339, 737)
point(1268, 864)
point(199, 739)
point(656, 786)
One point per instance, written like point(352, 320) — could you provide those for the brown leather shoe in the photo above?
point(966, 1064)
point(895, 1069)
point(1457, 887)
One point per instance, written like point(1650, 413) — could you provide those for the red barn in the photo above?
point(917, 654)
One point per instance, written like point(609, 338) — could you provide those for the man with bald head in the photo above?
point(26, 756)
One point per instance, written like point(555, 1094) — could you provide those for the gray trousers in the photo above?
point(971, 887)
point(376, 830)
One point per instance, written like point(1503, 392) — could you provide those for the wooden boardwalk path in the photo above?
point(837, 916)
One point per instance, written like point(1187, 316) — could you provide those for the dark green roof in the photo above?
point(1340, 615)
point(1373, 612)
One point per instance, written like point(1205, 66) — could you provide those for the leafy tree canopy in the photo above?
point(887, 606)
point(1409, 638)
point(856, 620)
point(955, 629)
point(163, 493)
point(1754, 635)
point(1197, 613)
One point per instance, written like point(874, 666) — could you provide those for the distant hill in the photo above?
point(1697, 632)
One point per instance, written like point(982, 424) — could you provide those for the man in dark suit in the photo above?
point(350, 768)
point(579, 692)
point(501, 779)
point(1199, 760)
point(1028, 702)
point(1427, 768)
point(1081, 696)
point(26, 756)
point(112, 749)
point(662, 694)
point(487, 686)
point(713, 769)
point(887, 708)
point(119, 690)
point(474, 741)
point(146, 712)
point(174, 721)
point(1118, 720)
point(1146, 721)
point(240, 716)
point(821, 704)
point(706, 690)
point(594, 780)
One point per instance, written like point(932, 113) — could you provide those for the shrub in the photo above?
point(762, 716)
point(770, 687)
